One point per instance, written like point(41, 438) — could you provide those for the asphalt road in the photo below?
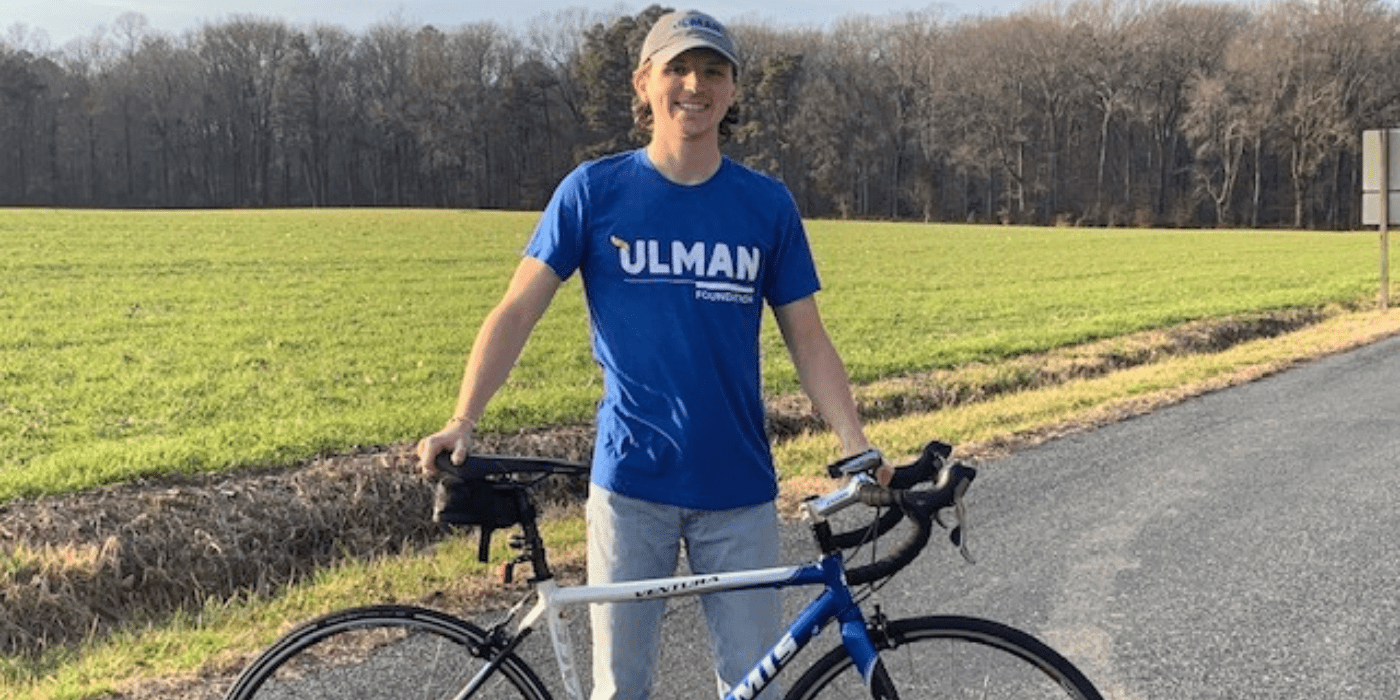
point(1245, 544)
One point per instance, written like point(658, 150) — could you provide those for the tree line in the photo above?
point(1098, 112)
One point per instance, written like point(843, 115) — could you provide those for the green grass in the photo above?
point(143, 343)
point(148, 342)
point(221, 638)
point(902, 296)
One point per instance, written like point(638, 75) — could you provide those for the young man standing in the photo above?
point(678, 248)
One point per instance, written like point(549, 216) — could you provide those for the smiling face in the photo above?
point(689, 95)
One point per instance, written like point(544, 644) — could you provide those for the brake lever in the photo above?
point(958, 532)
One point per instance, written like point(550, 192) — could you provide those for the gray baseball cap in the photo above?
point(677, 32)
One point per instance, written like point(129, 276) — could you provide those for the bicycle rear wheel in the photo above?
point(950, 658)
point(382, 652)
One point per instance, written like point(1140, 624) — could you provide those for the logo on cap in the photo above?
point(677, 31)
point(702, 23)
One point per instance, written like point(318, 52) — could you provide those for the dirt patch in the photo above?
point(78, 566)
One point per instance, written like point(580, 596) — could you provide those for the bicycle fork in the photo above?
point(496, 654)
point(558, 634)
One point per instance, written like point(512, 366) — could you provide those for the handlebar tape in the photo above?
point(924, 468)
point(919, 507)
point(919, 471)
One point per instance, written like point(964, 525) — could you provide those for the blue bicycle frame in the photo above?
point(836, 603)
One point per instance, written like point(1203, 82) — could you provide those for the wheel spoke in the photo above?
point(953, 658)
point(381, 653)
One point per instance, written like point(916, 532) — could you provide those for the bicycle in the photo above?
point(357, 653)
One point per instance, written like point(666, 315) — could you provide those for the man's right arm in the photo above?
point(498, 345)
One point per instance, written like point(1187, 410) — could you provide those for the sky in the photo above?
point(65, 20)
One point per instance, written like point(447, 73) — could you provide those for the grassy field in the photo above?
point(143, 343)
point(153, 342)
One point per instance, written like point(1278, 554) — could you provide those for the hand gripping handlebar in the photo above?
point(920, 506)
point(903, 498)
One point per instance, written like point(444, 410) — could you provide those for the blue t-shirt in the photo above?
point(676, 277)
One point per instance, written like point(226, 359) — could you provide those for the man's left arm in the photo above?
point(821, 371)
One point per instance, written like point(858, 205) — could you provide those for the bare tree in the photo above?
point(1306, 117)
point(914, 46)
point(1017, 109)
point(981, 110)
point(849, 109)
point(1355, 39)
point(555, 42)
point(20, 37)
point(243, 60)
point(386, 157)
point(771, 137)
point(301, 110)
point(21, 87)
point(558, 40)
point(1219, 126)
point(454, 80)
point(166, 86)
point(1179, 43)
point(1094, 111)
point(1103, 37)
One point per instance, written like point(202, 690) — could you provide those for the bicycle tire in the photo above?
point(950, 658)
point(386, 651)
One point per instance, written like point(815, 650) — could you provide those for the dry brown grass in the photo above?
point(77, 566)
point(933, 391)
point(84, 563)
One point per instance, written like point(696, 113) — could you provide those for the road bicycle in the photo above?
point(403, 651)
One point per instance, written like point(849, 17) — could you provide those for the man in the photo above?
point(678, 248)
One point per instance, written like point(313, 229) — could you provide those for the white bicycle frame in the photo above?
point(835, 603)
point(553, 598)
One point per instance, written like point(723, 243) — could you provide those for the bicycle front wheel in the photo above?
point(382, 652)
point(950, 658)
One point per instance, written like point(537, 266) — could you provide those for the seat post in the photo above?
point(531, 544)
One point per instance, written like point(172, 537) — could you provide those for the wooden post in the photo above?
point(1385, 219)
